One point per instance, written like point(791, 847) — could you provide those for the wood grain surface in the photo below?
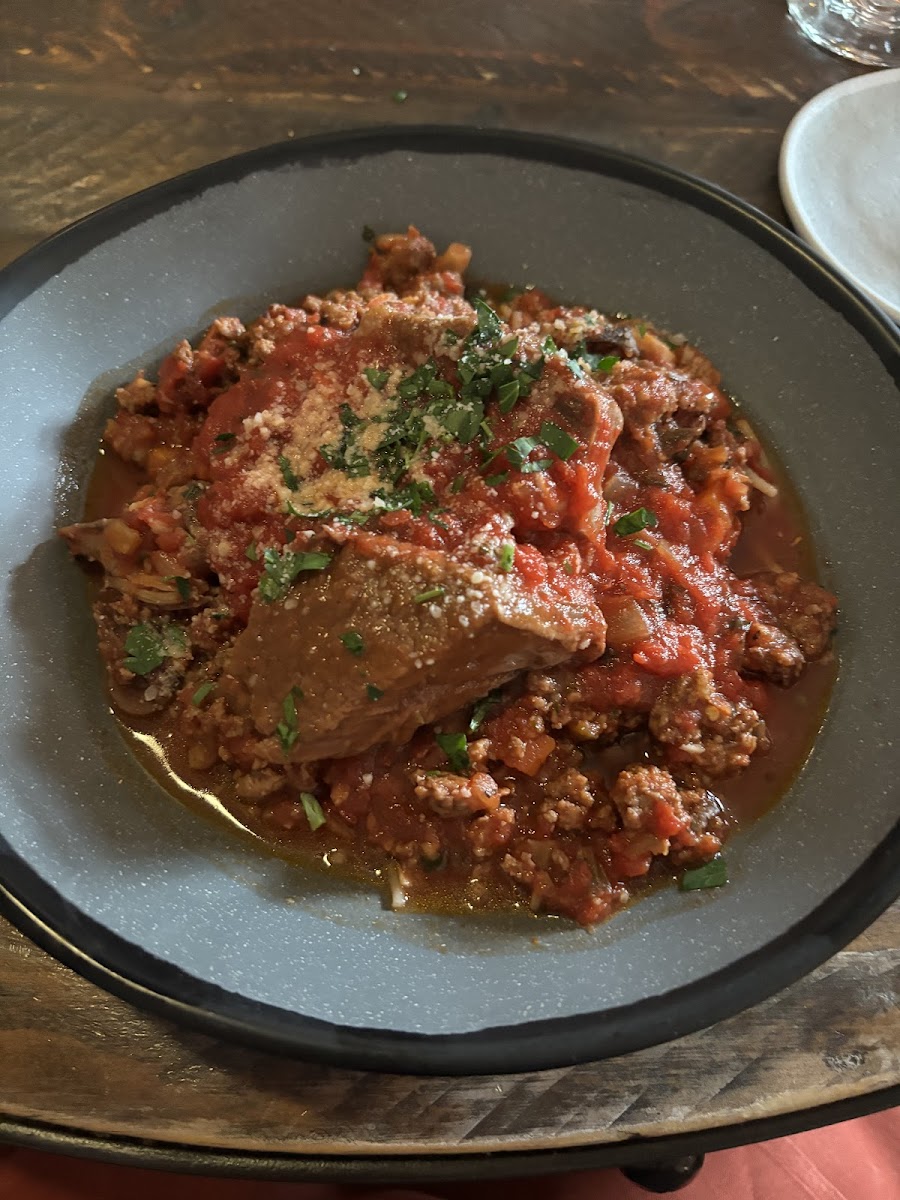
point(100, 99)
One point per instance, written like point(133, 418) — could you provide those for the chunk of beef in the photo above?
point(704, 735)
point(425, 658)
point(772, 654)
point(458, 795)
point(801, 609)
point(641, 791)
point(647, 393)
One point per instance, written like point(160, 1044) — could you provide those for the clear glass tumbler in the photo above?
point(865, 30)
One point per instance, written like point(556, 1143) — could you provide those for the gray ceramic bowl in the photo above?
point(112, 875)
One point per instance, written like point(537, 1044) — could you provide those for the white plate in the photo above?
point(840, 181)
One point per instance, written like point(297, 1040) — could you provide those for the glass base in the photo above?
point(868, 31)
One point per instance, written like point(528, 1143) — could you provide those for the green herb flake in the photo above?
point(288, 727)
point(434, 593)
point(287, 473)
point(481, 709)
point(376, 377)
point(147, 648)
point(192, 492)
point(182, 583)
point(373, 692)
point(313, 810)
point(606, 363)
point(642, 330)
point(548, 346)
point(555, 438)
point(634, 522)
point(536, 464)
point(507, 395)
point(496, 480)
point(399, 96)
point(609, 512)
point(456, 748)
point(458, 484)
point(223, 442)
point(252, 553)
point(506, 556)
point(282, 569)
point(201, 693)
point(352, 641)
point(711, 875)
point(643, 543)
point(488, 322)
point(568, 567)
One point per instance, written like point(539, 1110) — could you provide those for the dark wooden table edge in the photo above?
point(425, 1169)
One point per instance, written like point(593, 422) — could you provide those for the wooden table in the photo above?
point(99, 100)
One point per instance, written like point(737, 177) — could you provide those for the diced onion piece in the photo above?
point(397, 885)
point(761, 485)
point(626, 623)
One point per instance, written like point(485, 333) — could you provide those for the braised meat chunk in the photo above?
point(392, 637)
point(434, 585)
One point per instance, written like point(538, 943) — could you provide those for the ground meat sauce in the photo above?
point(454, 592)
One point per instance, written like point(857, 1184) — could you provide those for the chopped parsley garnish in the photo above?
point(506, 556)
point(517, 451)
point(711, 875)
point(251, 552)
point(482, 708)
point(192, 492)
point(609, 512)
point(225, 437)
point(399, 96)
point(549, 346)
point(417, 497)
point(373, 692)
point(555, 438)
point(147, 648)
point(536, 464)
point(282, 569)
point(376, 377)
point(568, 567)
point(183, 584)
point(288, 728)
point(434, 593)
point(342, 456)
point(456, 747)
point(642, 330)
point(313, 810)
point(643, 543)
point(201, 693)
point(495, 480)
point(352, 640)
point(287, 473)
point(458, 484)
point(507, 395)
point(634, 522)
point(595, 362)
point(489, 326)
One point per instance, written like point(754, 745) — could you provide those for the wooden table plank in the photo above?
point(97, 101)
point(76, 1057)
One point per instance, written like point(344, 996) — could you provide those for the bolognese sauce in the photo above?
point(491, 599)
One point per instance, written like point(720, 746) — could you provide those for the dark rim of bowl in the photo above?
point(137, 976)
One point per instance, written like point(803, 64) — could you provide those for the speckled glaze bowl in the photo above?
point(106, 870)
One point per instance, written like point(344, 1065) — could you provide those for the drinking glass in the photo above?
point(865, 30)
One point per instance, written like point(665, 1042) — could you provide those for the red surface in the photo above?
point(859, 1160)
